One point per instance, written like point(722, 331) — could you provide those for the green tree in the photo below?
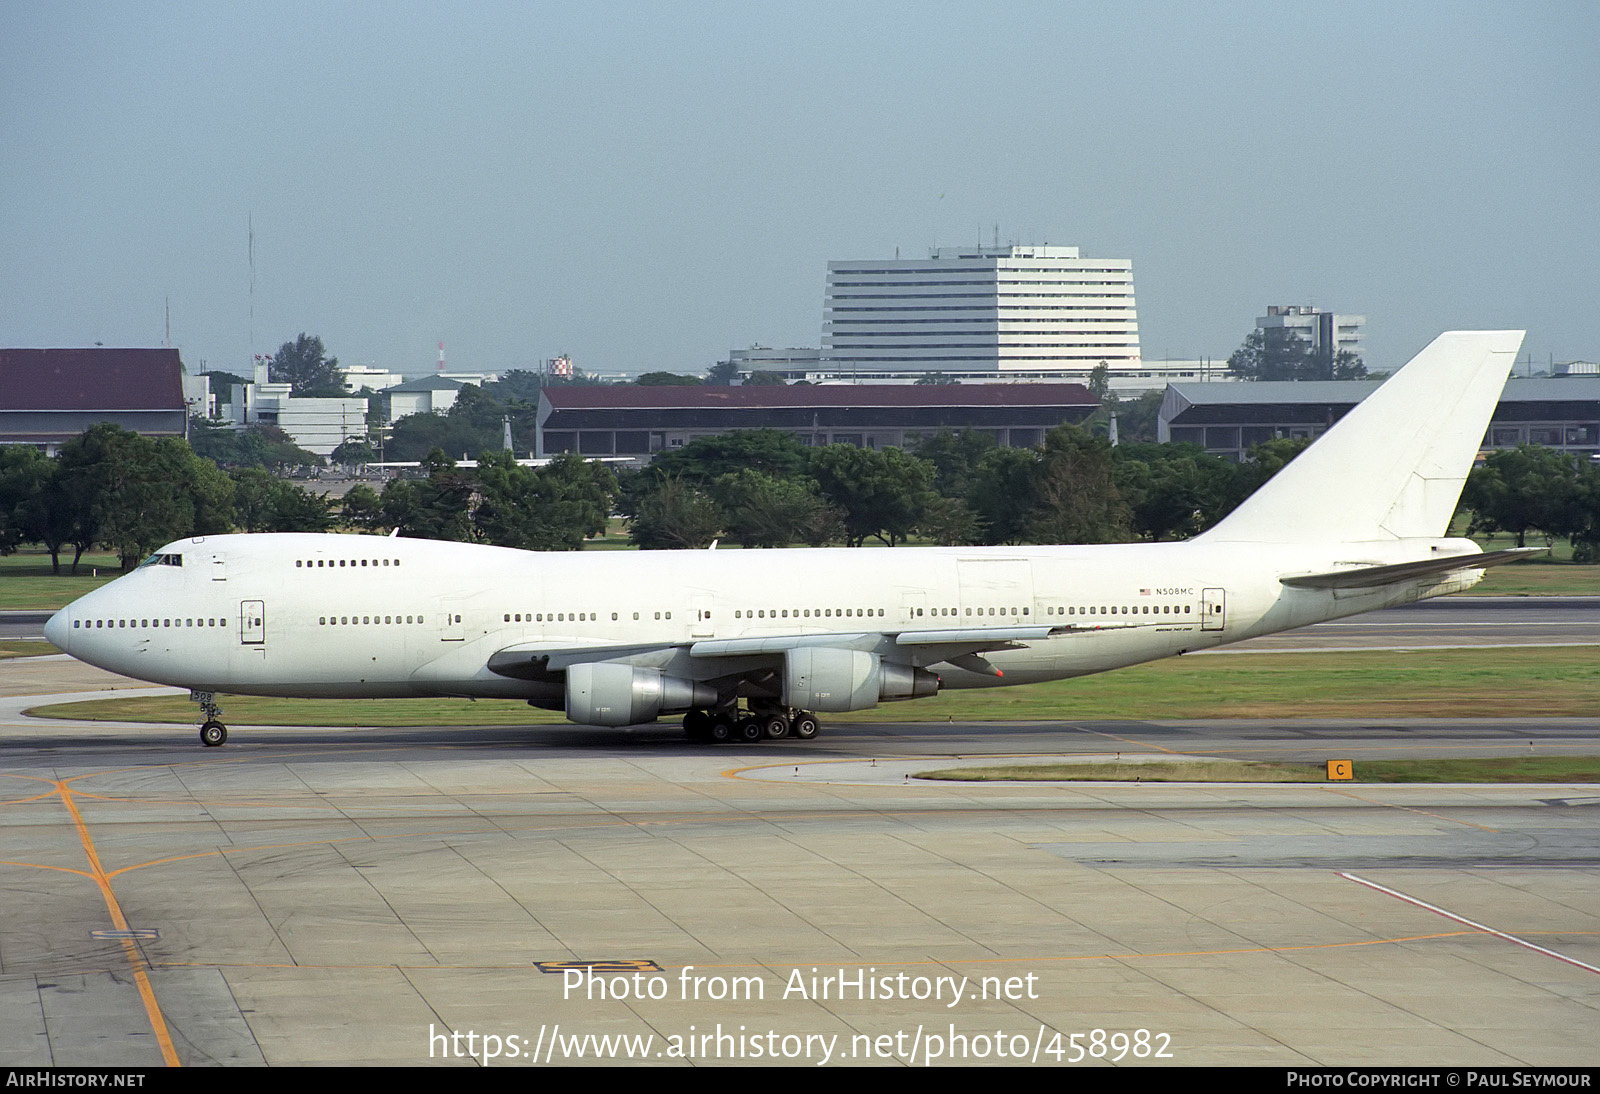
point(25, 476)
point(516, 384)
point(263, 502)
point(1075, 492)
point(955, 458)
point(1099, 384)
point(475, 423)
point(949, 522)
point(1137, 418)
point(55, 515)
point(134, 494)
point(667, 379)
point(552, 508)
point(576, 496)
point(706, 459)
point(353, 453)
point(362, 509)
point(759, 510)
point(1173, 491)
point(223, 382)
point(1523, 489)
point(1263, 461)
point(257, 445)
point(304, 364)
point(1585, 533)
point(507, 513)
point(1278, 353)
point(882, 493)
point(437, 507)
point(668, 513)
point(1001, 492)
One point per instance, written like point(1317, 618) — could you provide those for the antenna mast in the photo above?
point(250, 222)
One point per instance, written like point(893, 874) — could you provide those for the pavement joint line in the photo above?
point(1344, 791)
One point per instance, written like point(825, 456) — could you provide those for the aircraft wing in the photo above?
point(1371, 577)
point(545, 660)
point(974, 639)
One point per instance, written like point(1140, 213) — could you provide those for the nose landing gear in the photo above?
point(212, 732)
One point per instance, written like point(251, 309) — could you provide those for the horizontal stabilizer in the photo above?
point(1371, 577)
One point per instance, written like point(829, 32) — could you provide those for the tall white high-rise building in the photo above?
point(995, 313)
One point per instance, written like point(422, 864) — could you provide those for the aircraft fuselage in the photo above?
point(370, 617)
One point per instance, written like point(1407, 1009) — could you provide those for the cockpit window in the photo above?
point(159, 559)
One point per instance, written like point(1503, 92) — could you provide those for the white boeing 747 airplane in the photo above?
point(752, 644)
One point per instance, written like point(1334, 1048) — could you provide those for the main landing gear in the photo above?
point(212, 732)
point(751, 727)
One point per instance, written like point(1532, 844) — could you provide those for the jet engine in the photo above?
point(609, 694)
point(824, 678)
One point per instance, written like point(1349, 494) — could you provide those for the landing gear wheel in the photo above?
point(697, 724)
point(775, 727)
point(721, 730)
point(805, 725)
point(213, 733)
point(750, 730)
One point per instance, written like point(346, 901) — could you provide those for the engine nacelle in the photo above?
point(906, 682)
point(609, 694)
point(824, 678)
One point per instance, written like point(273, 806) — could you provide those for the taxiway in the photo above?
point(375, 896)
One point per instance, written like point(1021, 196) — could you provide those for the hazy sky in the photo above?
point(645, 186)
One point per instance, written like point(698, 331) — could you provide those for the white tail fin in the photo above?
point(1393, 467)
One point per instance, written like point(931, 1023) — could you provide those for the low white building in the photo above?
point(316, 425)
point(357, 377)
point(197, 396)
point(428, 395)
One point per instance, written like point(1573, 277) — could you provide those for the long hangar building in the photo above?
point(640, 421)
point(1561, 412)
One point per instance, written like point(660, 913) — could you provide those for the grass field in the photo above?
point(24, 648)
point(1543, 682)
point(1540, 578)
point(1499, 769)
point(26, 583)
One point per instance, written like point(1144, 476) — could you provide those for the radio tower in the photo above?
point(441, 358)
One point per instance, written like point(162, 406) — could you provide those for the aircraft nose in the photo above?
point(58, 628)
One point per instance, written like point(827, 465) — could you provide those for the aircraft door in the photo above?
point(1212, 617)
point(454, 630)
point(252, 622)
point(913, 607)
point(704, 625)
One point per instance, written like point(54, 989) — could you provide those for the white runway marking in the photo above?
point(1463, 919)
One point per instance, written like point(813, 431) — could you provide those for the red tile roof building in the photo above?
point(49, 396)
